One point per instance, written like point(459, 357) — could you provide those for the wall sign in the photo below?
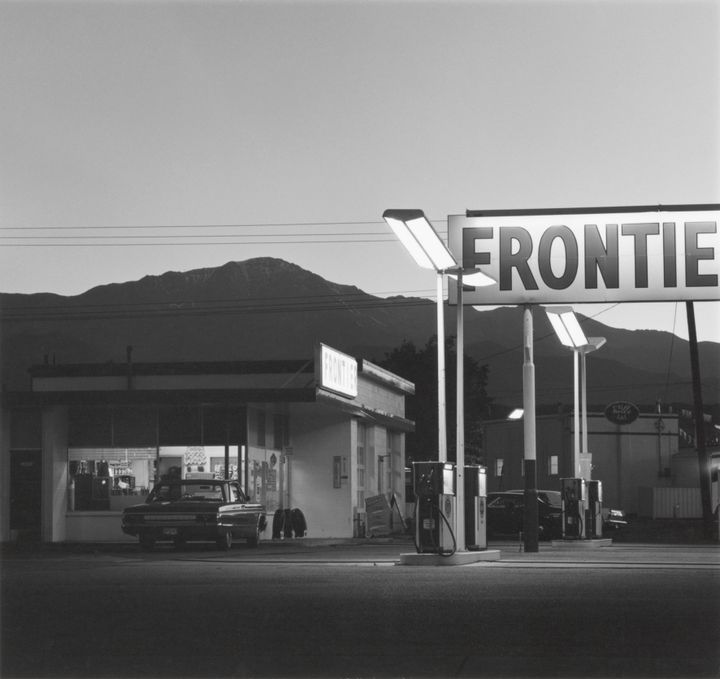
point(622, 412)
point(336, 371)
point(633, 254)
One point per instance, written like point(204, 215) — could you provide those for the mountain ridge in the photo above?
point(269, 308)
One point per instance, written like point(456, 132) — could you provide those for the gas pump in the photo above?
point(475, 501)
point(593, 515)
point(434, 486)
point(573, 508)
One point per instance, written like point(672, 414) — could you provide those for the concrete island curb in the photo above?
point(455, 559)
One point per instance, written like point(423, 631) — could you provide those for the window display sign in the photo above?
point(336, 371)
point(633, 254)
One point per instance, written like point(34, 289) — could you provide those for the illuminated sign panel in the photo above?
point(336, 371)
point(584, 256)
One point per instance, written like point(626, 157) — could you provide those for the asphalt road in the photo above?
point(349, 611)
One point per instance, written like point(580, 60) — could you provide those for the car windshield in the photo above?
point(516, 498)
point(552, 497)
point(507, 501)
point(165, 492)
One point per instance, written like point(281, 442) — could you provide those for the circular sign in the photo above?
point(622, 412)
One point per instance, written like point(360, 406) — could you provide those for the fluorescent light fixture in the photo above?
point(560, 331)
point(516, 414)
point(419, 238)
point(474, 278)
point(566, 326)
point(593, 344)
point(409, 242)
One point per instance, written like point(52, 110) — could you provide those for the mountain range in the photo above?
point(267, 308)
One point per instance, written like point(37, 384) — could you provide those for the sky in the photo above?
point(141, 137)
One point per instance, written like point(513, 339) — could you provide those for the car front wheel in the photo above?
point(224, 542)
point(254, 541)
point(147, 543)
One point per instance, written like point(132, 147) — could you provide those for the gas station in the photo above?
point(543, 257)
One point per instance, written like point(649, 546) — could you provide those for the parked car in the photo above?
point(183, 510)
point(505, 513)
point(613, 519)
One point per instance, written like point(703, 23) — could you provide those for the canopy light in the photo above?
point(474, 278)
point(416, 233)
point(566, 326)
point(593, 344)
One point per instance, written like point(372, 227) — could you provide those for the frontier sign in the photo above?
point(633, 254)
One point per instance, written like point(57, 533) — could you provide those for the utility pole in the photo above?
point(703, 457)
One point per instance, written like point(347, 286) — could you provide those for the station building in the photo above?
point(323, 434)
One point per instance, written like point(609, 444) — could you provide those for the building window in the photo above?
point(109, 479)
point(553, 464)
point(499, 467)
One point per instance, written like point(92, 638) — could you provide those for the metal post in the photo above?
point(530, 519)
point(460, 419)
point(442, 427)
point(583, 379)
point(576, 414)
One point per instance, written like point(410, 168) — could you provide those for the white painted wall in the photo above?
point(95, 527)
point(318, 434)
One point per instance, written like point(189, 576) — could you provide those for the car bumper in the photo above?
point(614, 524)
point(194, 532)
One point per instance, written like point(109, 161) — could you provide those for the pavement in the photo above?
point(347, 608)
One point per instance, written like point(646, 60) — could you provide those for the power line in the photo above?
point(207, 235)
point(196, 243)
point(347, 294)
point(249, 225)
point(201, 308)
point(649, 388)
point(255, 305)
point(301, 303)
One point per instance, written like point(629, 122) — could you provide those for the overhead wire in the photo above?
point(256, 305)
point(197, 243)
point(226, 306)
point(246, 225)
point(263, 235)
point(126, 235)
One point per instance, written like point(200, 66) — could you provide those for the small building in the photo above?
point(626, 457)
point(322, 434)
